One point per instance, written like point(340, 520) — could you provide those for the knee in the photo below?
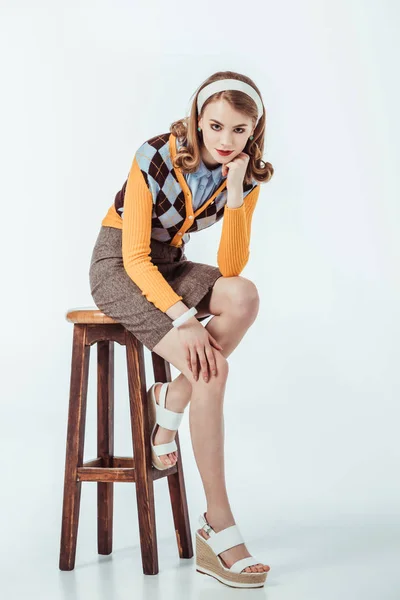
point(222, 367)
point(245, 300)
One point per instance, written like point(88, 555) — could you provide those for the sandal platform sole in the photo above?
point(208, 563)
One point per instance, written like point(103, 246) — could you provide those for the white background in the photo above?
point(311, 408)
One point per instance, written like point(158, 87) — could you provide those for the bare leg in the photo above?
point(180, 389)
point(207, 424)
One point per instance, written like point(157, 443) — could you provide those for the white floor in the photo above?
point(358, 561)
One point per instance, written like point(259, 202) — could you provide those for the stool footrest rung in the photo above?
point(121, 469)
point(105, 474)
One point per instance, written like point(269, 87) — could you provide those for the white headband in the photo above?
point(221, 85)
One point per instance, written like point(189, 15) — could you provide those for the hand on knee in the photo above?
point(205, 374)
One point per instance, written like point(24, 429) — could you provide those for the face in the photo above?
point(223, 128)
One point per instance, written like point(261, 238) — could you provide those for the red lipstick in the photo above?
point(224, 152)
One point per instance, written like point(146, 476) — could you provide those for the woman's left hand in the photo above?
point(236, 170)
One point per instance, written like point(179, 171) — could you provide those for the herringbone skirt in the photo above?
point(117, 296)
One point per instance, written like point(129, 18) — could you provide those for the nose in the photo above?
point(226, 139)
point(226, 142)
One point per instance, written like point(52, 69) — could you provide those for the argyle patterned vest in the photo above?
point(169, 211)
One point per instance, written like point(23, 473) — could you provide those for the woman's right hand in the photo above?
point(198, 342)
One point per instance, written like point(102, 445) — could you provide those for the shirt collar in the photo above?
point(203, 171)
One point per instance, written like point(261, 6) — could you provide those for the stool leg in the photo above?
point(176, 481)
point(105, 442)
point(74, 449)
point(177, 494)
point(142, 454)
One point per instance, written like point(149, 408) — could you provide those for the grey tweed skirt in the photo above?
point(117, 296)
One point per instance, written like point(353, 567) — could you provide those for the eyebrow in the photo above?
point(241, 124)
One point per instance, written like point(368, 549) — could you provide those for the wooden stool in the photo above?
point(91, 326)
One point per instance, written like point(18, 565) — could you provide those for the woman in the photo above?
point(209, 166)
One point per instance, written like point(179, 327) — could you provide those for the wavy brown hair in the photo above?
point(188, 156)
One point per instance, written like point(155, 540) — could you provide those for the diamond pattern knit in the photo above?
point(156, 202)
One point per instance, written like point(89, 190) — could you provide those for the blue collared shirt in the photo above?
point(203, 183)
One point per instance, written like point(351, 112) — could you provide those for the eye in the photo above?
point(216, 125)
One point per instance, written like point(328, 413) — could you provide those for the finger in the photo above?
point(203, 363)
point(193, 361)
point(217, 345)
point(214, 341)
point(211, 360)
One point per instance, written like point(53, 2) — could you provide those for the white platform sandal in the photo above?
point(209, 563)
point(159, 415)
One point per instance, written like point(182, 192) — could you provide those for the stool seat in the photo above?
point(88, 315)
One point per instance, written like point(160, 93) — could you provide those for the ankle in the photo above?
point(173, 401)
point(219, 520)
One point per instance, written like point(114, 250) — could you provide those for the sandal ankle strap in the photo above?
point(165, 417)
point(205, 525)
point(221, 540)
